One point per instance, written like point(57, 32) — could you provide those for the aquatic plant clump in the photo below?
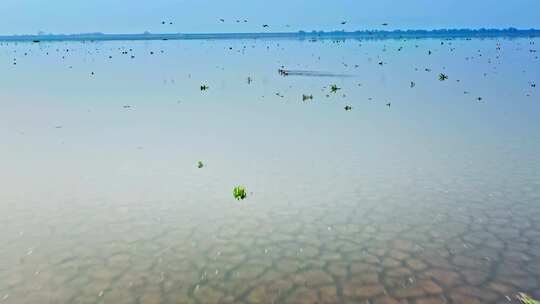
point(525, 299)
point(200, 164)
point(334, 88)
point(307, 97)
point(239, 192)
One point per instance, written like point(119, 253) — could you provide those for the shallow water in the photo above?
point(433, 199)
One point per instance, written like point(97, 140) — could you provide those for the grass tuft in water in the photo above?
point(200, 164)
point(525, 299)
point(307, 97)
point(334, 88)
point(239, 192)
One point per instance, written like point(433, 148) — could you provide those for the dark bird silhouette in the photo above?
point(344, 22)
point(265, 25)
point(384, 24)
point(348, 108)
point(204, 87)
point(389, 104)
point(222, 20)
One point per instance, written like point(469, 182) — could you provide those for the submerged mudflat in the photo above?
point(371, 177)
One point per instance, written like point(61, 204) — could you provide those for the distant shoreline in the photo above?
point(301, 35)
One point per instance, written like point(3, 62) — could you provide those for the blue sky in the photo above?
point(135, 16)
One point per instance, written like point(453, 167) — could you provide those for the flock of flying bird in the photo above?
point(222, 20)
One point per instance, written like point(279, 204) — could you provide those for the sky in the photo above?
point(202, 16)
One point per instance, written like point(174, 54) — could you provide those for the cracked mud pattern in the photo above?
point(363, 252)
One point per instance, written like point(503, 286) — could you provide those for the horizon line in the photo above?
point(301, 34)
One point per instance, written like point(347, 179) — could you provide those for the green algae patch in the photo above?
point(239, 192)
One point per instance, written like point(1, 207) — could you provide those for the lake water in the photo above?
point(421, 193)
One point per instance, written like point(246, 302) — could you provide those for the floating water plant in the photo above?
point(239, 192)
point(525, 299)
point(443, 77)
point(307, 97)
point(200, 164)
point(334, 88)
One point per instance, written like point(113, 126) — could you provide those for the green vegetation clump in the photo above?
point(334, 88)
point(443, 77)
point(307, 97)
point(525, 299)
point(200, 164)
point(239, 192)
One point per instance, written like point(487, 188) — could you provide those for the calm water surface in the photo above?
point(434, 198)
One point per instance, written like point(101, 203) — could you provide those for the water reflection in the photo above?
point(433, 199)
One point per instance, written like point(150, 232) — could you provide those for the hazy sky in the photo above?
point(135, 16)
